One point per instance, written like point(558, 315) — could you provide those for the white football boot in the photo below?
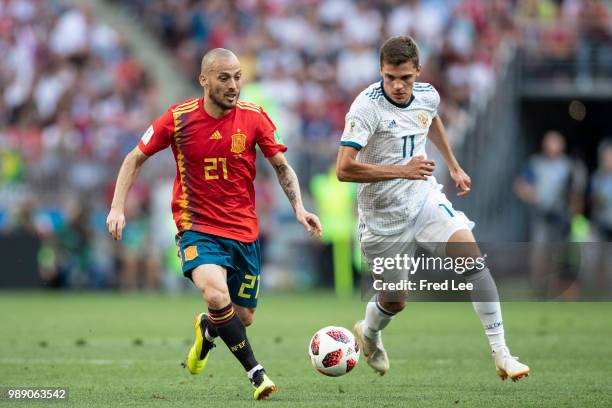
point(373, 350)
point(507, 365)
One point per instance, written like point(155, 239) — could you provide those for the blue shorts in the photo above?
point(242, 261)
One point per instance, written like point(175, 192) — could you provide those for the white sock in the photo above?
point(208, 336)
point(491, 318)
point(254, 370)
point(376, 319)
point(488, 311)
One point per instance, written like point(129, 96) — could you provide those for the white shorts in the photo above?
point(433, 227)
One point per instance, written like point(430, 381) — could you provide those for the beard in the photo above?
point(220, 99)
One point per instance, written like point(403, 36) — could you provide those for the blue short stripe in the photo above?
point(447, 209)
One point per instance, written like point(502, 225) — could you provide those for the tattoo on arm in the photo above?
point(289, 182)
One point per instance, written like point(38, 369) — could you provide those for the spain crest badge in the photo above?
point(238, 142)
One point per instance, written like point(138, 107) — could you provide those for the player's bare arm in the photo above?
point(115, 222)
point(291, 186)
point(348, 168)
point(437, 135)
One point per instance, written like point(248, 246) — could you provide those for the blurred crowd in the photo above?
point(313, 57)
point(572, 37)
point(74, 100)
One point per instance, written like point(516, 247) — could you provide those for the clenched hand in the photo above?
point(115, 222)
point(419, 168)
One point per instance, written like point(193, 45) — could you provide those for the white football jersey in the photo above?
point(387, 133)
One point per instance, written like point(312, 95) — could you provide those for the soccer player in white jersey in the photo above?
point(399, 200)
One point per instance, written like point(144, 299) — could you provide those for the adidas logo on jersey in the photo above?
point(216, 135)
point(392, 124)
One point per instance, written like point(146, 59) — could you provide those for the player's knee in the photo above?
point(215, 298)
point(393, 307)
point(462, 245)
point(246, 317)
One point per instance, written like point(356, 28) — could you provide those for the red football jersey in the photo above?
point(215, 165)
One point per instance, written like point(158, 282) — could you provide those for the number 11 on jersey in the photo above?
point(405, 138)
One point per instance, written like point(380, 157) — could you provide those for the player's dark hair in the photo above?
point(398, 50)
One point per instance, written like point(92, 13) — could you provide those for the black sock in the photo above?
point(207, 345)
point(210, 328)
point(233, 333)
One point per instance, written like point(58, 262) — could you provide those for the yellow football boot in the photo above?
point(263, 386)
point(196, 359)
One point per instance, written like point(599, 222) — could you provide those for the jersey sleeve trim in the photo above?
point(354, 145)
point(142, 148)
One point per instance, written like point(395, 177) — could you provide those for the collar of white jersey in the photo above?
point(392, 102)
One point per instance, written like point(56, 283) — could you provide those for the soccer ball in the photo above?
point(333, 351)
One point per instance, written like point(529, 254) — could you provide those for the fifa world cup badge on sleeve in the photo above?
point(146, 137)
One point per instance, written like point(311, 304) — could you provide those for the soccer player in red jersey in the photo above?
point(213, 140)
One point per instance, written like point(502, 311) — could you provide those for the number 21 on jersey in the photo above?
point(213, 166)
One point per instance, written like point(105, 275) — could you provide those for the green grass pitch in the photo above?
point(115, 350)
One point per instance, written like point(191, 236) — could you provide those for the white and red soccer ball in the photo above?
point(333, 351)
